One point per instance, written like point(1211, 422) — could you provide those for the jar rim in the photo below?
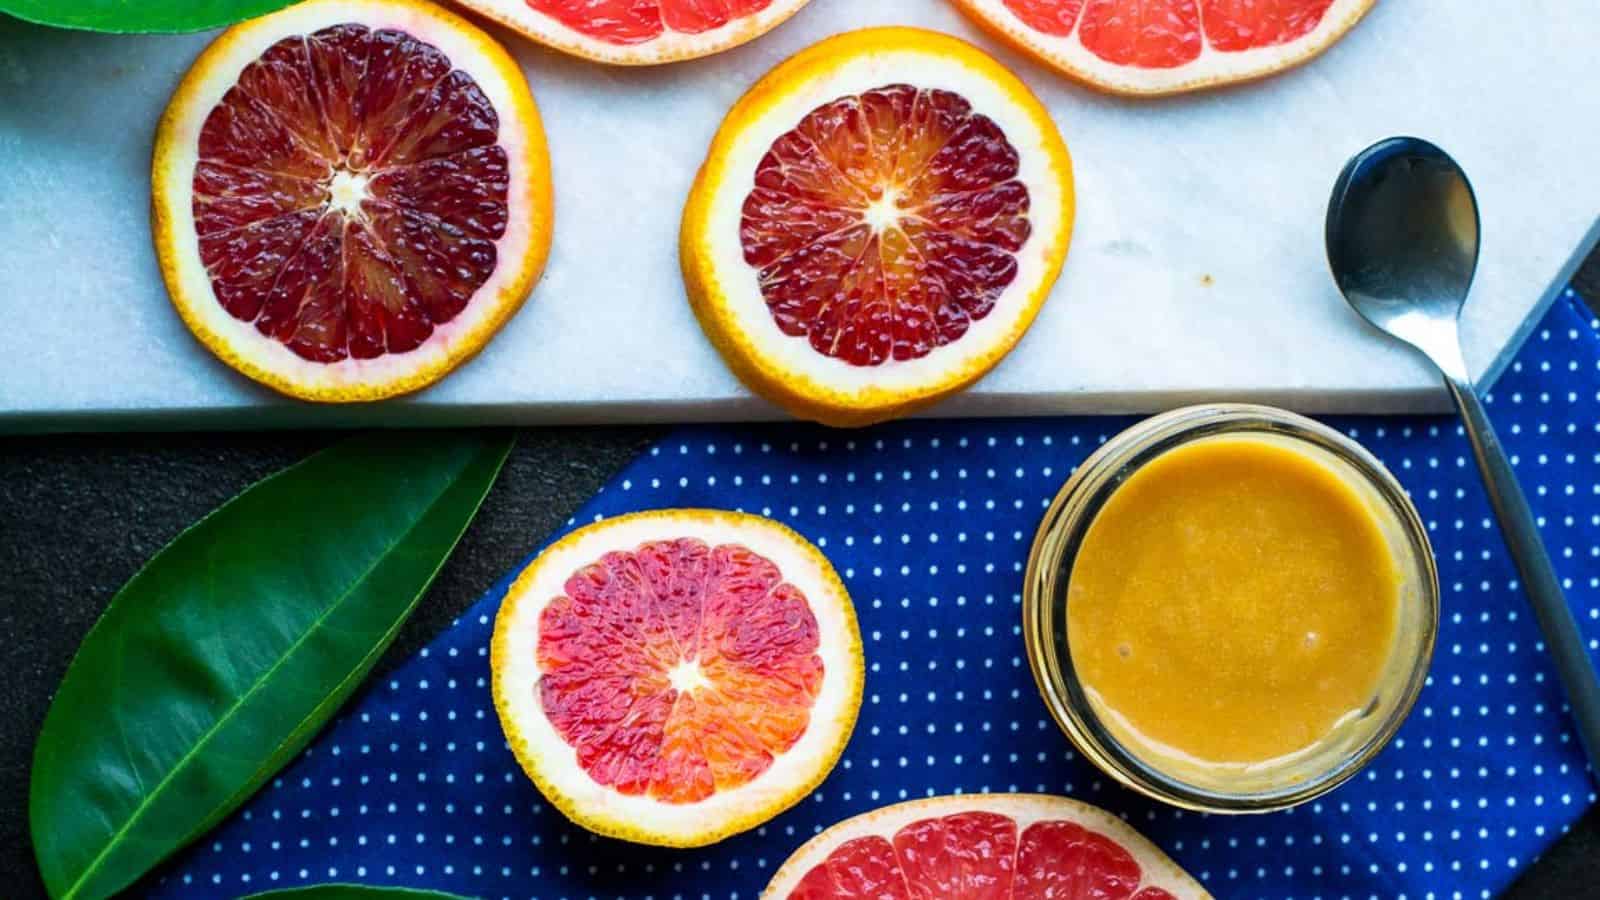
point(1060, 536)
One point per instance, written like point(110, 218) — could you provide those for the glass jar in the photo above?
point(1271, 785)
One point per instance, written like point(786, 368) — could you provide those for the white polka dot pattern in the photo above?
point(929, 523)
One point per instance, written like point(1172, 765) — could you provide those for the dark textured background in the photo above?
point(80, 513)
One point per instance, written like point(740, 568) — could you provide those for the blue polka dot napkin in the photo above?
point(930, 524)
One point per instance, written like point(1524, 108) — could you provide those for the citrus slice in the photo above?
point(1168, 46)
point(639, 32)
point(982, 847)
point(675, 677)
point(877, 223)
point(350, 196)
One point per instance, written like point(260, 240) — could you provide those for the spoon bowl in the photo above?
point(1402, 237)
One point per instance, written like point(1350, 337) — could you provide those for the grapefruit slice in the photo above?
point(639, 32)
point(675, 677)
point(350, 196)
point(1168, 46)
point(982, 847)
point(877, 223)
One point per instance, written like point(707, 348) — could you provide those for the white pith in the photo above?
point(669, 46)
point(556, 762)
point(794, 356)
point(174, 192)
point(1025, 809)
point(1211, 66)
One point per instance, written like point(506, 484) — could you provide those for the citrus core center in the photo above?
point(686, 677)
point(346, 191)
point(884, 212)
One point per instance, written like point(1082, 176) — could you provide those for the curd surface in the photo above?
point(1233, 602)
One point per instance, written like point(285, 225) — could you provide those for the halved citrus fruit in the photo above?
point(982, 847)
point(877, 223)
point(639, 32)
point(350, 196)
point(1168, 46)
point(675, 677)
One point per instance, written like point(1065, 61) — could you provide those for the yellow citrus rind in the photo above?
point(177, 246)
point(554, 769)
point(752, 359)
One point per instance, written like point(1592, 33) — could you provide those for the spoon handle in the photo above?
point(1538, 577)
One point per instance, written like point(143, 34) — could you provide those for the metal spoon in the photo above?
point(1402, 235)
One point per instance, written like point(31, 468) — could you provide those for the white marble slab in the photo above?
point(1197, 270)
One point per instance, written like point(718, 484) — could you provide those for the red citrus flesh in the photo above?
point(886, 223)
point(349, 193)
point(638, 21)
point(1163, 34)
point(978, 856)
point(630, 623)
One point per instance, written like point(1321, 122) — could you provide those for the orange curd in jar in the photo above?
point(1232, 601)
point(1230, 607)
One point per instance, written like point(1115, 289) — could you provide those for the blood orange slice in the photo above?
point(351, 196)
point(679, 676)
point(1168, 46)
point(982, 847)
point(877, 223)
point(639, 32)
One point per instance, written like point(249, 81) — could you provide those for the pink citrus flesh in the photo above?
point(626, 22)
point(981, 856)
point(1167, 33)
point(886, 223)
point(982, 847)
point(609, 648)
point(345, 108)
point(1153, 47)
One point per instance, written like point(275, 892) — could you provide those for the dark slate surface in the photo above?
point(78, 515)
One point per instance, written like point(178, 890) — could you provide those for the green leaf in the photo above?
point(352, 892)
point(131, 16)
point(219, 660)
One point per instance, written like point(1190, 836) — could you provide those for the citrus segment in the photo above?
point(861, 257)
point(350, 192)
point(967, 854)
point(1167, 46)
point(1244, 24)
point(1057, 17)
point(1064, 859)
point(1146, 34)
point(638, 21)
point(982, 847)
point(865, 867)
point(639, 32)
point(675, 677)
